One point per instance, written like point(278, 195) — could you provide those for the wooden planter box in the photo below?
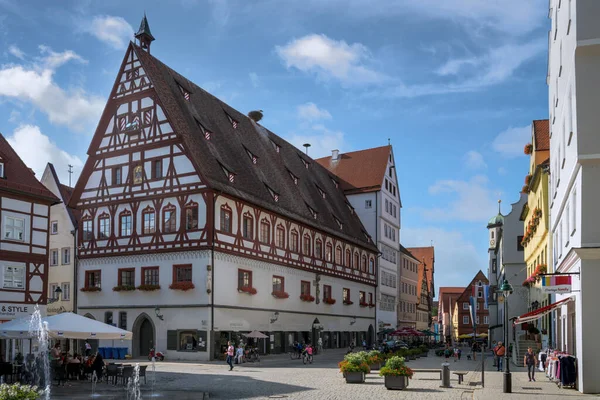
point(375, 367)
point(355, 377)
point(396, 382)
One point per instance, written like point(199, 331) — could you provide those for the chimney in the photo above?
point(335, 155)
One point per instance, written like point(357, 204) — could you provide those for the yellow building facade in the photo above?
point(535, 216)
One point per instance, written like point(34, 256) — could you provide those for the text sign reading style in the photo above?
point(14, 311)
point(556, 284)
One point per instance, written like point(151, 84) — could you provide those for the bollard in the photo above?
point(445, 375)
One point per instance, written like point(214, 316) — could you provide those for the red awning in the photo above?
point(540, 312)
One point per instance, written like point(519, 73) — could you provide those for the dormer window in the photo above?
point(334, 182)
point(321, 192)
point(186, 94)
point(275, 146)
point(338, 221)
point(233, 122)
point(294, 177)
point(253, 158)
point(274, 195)
point(312, 211)
point(207, 134)
point(306, 163)
point(230, 175)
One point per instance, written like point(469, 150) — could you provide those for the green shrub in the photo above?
point(17, 391)
point(375, 357)
point(395, 367)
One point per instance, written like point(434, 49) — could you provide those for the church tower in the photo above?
point(144, 36)
point(494, 227)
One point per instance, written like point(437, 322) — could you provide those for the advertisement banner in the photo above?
point(10, 311)
point(556, 284)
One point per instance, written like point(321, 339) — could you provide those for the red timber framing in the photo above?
point(234, 242)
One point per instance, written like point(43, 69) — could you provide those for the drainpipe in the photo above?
point(377, 259)
point(75, 268)
point(213, 274)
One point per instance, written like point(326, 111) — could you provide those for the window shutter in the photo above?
point(171, 340)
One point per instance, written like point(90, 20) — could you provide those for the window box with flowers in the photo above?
point(248, 290)
point(329, 301)
point(528, 149)
point(279, 294)
point(184, 286)
point(371, 305)
point(527, 179)
point(364, 304)
point(123, 288)
point(307, 297)
point(348, 302)
point(148, 288)
point(525, 189)
point(91, 289)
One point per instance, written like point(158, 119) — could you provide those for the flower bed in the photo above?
point(307, 297)
point(185, 286)
point(279, 294)
point(124, 288)
point(329, 301)
point(148, 288)
point(248, 290)
point(18, 391)
point(91, 289)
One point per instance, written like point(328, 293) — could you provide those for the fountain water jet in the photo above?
point(39, 329)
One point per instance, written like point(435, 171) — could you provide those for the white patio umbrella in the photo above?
point(256, 335)
point(65, 326)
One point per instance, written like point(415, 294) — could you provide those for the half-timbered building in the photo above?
point(24, 212)
point(199, 224)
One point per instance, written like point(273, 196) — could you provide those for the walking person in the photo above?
point(494, 351)
point(529, 361)
point(230, 355)
point(88, 349)
point(319, 345)
point(455, 353)
point(500, 351)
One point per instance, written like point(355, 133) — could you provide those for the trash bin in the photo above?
point(109, 352)
point(445, 375)
point(122, 352)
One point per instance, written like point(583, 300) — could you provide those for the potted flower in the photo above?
point(184, 286)
point(528, 149)
point(148, 288)
point(19, 391)
point(527, 179)
point(307, 297)
point(364, 304)
point(396, 374)
point(525, 189)
point(371, 305)
point(248, 290)
point(91, 289)
point(329, 301)
point(375, 359)
point(123, 288)
point(348, 302)
point(354, 368)
point(280, 294)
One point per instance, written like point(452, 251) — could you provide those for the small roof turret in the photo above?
point(498, 219)
point(144, 35)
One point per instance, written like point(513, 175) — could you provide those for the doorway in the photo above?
point(143, 336)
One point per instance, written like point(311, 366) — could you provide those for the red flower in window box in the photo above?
point(307, 297)
point(279, 294)
point(528, 149)
point(91, 289)
point(123, 288)
point(348, 302)
point(329, 301)
point(371, 305)
point(148, 288)
point(248, 289)
point(364, 304)
point(185, 286)
point(527, 179)
point(525, 189)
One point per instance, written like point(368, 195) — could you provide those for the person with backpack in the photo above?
point(500, 351)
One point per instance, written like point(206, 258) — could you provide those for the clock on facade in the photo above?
point(492, 242)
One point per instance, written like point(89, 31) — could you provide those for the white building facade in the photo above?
point(408, 289)
point(574, 92)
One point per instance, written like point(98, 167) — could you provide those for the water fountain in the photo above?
point(41, 366)
point(133, 384)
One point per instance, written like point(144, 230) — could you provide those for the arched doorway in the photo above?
point(370, 335)
point(143, 336)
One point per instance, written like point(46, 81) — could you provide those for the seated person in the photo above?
point(239, 355)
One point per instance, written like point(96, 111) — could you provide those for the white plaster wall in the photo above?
point(368, 216)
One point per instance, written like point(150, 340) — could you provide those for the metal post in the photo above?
point(507, 386)
point(482, 369)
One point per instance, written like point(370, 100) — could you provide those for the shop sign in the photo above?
point(10, 311)
point(556, 284)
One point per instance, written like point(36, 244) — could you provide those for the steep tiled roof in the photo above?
point(541, 134)
point(229, 148)
point(360, 171)
point(65, 193)
point(18, 178)
point(406, 252)
point(468, 290)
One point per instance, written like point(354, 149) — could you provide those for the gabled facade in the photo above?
point(447, 298)
point(61, 259)
point(369, 180)
point(535, 216)
point(462, 320)
point(408, 289)
point(24, 214)
point(198, 224)
point(425, 284)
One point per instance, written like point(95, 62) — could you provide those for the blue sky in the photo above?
point(453, 84)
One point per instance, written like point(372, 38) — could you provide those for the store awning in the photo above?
point(540, 312)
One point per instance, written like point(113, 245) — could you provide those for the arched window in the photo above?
point(265, 231)
point(338, 255)
point(356, 261)
point(125, 223)
point(364, 264)
point(294, 241)
point(148, 221)
point(319, 249)
point(248, 226)
point(328, 252)
point(371, 266)
point(169, 219)
point(280, 236)
point(226, 225)
point(348, 259)
point(191, 216)
point(103, 226)
point(306, 245)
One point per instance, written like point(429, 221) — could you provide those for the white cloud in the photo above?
point(254, 79)
point(321, 139)
point(457, 259)
point(330, 59)
point(310, 112)
point(15, 51)
point(502, 171)
point(35, 84)
point(14, 116)
point(470, 201)
point(114, 31)
point(36, 149)
point(510, 143)
point(474, 160)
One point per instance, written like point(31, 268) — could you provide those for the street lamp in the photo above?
point(506, 290)
point(57, 293)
